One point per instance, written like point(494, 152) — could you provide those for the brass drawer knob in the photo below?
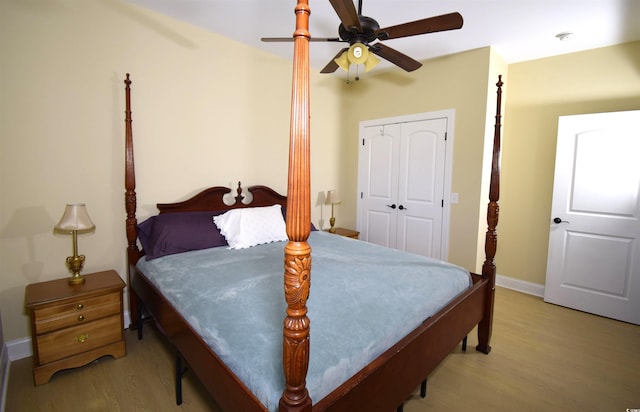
point(80, 306)
point(81, 317)
point(82, 337)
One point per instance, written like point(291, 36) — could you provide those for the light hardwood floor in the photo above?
point(544, 358)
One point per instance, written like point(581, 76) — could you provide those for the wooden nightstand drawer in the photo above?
point(78, 339)
point(73, 313)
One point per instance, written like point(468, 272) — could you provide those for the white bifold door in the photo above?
point(594, 240)
point(401, 185)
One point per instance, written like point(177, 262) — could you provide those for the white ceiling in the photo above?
point(520, 30)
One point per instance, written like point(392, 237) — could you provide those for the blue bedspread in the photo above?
point(363, 299)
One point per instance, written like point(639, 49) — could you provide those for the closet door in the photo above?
point(420, 186)
point(378, 172)
point(401, 179)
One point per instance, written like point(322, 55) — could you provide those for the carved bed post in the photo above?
point(130, 202)
point(491, 238)
point(297, 252)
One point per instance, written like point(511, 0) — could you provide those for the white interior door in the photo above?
point(378, 164)
point(594, 241)
point(402, 183)
point(420, 187)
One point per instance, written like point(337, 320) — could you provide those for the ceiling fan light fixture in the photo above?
point(372, 61)
point(343, 61)
point(358, 53)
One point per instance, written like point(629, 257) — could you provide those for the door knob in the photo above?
point(393, 206)
point(402, 207)
point(557, 220)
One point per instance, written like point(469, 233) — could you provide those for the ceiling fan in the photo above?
point(364, 35)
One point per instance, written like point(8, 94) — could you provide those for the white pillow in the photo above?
point(248, 227)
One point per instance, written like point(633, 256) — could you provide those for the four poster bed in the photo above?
point(378, 331)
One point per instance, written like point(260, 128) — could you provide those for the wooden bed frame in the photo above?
point(386, 382)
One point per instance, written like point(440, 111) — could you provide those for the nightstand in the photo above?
point(72, 325)
point(345, 232)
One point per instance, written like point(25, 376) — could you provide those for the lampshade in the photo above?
point(75, 217)
point(333, 197)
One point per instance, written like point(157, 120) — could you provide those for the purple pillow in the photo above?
point(170, 233)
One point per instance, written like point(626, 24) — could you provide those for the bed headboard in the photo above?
point(213, 199)
point(210, 199)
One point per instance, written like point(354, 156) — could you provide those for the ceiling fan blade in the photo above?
point(399, 59)
point(290, 39)
point(332, 66)
point(346, 11)
point(451, 21)
point(276, 39)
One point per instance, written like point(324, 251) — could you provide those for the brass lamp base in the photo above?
point(76, 279)
point(332, 222)
point(75, 263)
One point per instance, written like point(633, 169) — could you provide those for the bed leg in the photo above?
point(179, 373)
point(423, 389)
point(464, 344)
point(485, 326)
point(400, 408)
point(178, 379)
point(139, 320)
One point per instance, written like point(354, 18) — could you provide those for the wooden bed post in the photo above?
point(130, 203)
point(491, 238)
point(297, 252)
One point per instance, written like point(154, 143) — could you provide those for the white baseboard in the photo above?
point(523, 286)
point(19, 348)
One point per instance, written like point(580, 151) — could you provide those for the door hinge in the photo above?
point(442, 202)
point(361, 195)
point(445, 136)
point(363, 141)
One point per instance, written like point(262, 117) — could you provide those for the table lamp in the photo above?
point(332, 199)
point(75, 219)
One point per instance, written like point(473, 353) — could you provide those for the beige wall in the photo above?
point(600, 80)
point(207, 111)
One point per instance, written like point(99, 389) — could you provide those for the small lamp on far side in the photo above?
point(332, 199)
point(75, 219)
